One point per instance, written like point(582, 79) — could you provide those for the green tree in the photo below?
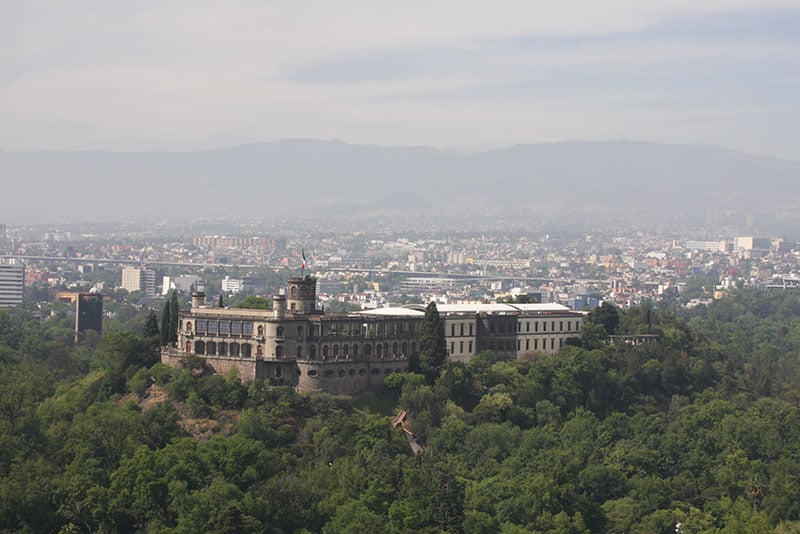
point(431, 345)
point(174, 308)
point(606, 315)
point(151, 324)
point(165, 320)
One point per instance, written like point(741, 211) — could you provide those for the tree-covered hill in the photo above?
point(695, 423)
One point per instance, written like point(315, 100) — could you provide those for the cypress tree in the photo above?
point(165, 318)
point(174, 308)
point(431, 345)
point(151, 324)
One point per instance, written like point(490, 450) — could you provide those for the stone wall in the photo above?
point(346, 377)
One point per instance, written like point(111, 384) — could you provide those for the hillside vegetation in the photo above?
point(699, 425)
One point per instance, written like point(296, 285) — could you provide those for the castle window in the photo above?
point(378, 350)
point(452, 347)
point(325, 351)
point(189, 327)
point(260, 331)
point(247, 329)
point(259, 350)
point(462, 329)
point(299, 333)
point(234, 348)
point(461, 347)
point(527, 326)
point(279, 331)
point(312, 372)
point(247, 350)
point(225, 328)
point(236, 328)
point(336, 351)
point(395, 346)
point(470, 328)
point(211, 348)
point(355, 351)
point(199, 347)
point(312, 351)
point(345, 350)
point(405, 348)
point(222, 349)
point(293, 292)
point(452, 330)
point(470, 347)
point(279, 352)
point(201, 325)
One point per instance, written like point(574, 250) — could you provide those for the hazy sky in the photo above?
point(134, 75)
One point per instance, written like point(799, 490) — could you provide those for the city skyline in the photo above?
point(184, 76)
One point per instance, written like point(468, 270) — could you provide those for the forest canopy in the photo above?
point(695, 421)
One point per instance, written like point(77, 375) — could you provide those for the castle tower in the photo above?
point(302, 297)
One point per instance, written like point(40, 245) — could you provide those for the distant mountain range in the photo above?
point(298, 179)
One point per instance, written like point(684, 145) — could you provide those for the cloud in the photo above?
point(465, 74)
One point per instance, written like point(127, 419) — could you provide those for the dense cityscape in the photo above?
point(361, 271)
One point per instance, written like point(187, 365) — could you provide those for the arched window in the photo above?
point(299, 332)
point(211, 348)
point(189, 347)
point(259, 350)
point(260, 331)
point(234, 348)
point(346, 350)
point(405, 347)
point(279, 331)
point(293, 292)
point(355, 350)
point(279, 352)
point(395, 347)
point(386, 349)
point(247, 350)
point(378, 350)
point(222, 348)
point(367, 351)
point(199, 347)
point(188, 327)
point(336, 351)
point(299, 351)
point(312, 351)
point(325, 351)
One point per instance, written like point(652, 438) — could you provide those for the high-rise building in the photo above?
point(89, 312)
point(3, 238)
point(139, 279)
point(12, 282)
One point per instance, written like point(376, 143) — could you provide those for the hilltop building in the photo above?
point(299, 345)
point(12, 282)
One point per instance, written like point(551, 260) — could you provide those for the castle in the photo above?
point(299, 345)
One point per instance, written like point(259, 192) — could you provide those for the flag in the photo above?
point(303, 263)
